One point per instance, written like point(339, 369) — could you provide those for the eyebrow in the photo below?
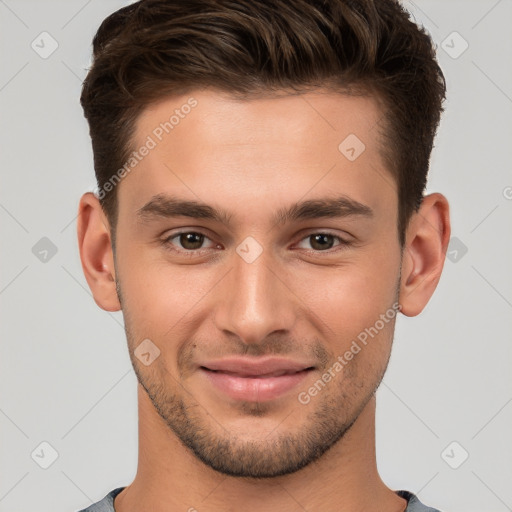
point(165, 206)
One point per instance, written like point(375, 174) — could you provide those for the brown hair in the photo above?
point(156, 48)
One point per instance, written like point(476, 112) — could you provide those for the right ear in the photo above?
point(96, 254)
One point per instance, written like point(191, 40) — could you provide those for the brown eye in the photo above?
point(191, 241)
point(187, 242)
point(322, 241)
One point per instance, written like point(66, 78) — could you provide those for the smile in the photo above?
point(255, 382)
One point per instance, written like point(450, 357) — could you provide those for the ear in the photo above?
point(426, 243)
point(95, 245)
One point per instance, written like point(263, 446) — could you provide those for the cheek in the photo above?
point(353, 307)
point(349, 298)
point(164, 301)
point(159, 298)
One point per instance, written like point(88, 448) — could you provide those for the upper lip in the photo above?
point(251, 367)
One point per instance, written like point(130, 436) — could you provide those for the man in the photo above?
point(260, 220)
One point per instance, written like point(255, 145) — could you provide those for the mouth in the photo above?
point(256, 375)
point(254, 381)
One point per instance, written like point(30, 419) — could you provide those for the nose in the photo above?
point(255, 300)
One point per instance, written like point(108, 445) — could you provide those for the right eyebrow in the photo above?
point(166, 206)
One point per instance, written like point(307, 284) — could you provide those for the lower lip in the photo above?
point(254, 389)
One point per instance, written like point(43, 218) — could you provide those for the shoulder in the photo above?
point(106, 504)
point(414, 504)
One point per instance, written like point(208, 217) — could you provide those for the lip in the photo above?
point(253, 380)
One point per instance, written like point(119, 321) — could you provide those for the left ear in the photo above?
point(426, 243)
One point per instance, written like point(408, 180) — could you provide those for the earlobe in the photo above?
point(425, 248)
point(96, 255)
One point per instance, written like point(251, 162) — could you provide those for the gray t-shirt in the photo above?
point(107, 503)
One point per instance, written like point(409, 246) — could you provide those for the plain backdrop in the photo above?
point(68, 392)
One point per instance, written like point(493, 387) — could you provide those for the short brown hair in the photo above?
point(156, 48)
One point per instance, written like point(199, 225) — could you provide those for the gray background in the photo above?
point(66, 378)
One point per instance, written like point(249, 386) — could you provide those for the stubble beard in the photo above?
point(332, 415)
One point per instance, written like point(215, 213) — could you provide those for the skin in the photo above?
point(199, 449)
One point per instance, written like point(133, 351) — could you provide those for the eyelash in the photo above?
point(197, 252)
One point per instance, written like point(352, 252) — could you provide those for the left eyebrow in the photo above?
point(165, 206)
point(338, 207)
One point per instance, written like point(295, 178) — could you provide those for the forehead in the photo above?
point(219, 118)
point(258, 152)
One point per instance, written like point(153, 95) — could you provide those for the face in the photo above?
point(257, 251)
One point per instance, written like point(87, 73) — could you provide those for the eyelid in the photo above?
point(166, 240)
point(343, 242)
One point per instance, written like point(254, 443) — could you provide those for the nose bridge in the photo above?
point(255, 301)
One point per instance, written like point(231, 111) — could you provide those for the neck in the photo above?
point(170, 478)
